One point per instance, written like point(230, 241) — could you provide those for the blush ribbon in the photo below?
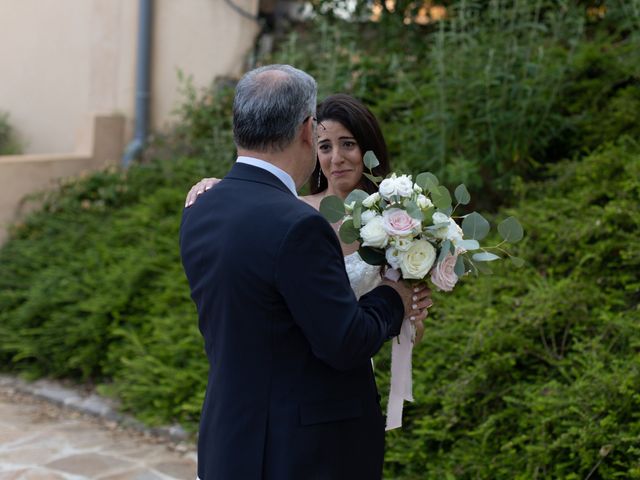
point(401, 382)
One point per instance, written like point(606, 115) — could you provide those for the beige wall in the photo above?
point(101, 144)
point(64, 59)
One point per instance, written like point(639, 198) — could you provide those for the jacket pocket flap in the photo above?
point(330, 411)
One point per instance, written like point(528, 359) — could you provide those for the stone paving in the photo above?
point(43, 441)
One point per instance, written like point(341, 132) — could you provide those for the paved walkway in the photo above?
point(43, 441)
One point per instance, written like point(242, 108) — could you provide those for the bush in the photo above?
point(9, 144)
point(536, 374)
point(91, 285)
point(490, 93)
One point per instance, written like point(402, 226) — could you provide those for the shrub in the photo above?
point(488, 94)
point(9, 144)
point(536, 374)
point(91, 285)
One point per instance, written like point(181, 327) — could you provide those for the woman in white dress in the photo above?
point(346, 130)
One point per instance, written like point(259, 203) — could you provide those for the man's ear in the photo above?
point(307, 131)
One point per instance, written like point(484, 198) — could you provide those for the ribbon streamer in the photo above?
point(401, 382)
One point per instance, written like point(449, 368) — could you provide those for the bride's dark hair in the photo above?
point(358, 119)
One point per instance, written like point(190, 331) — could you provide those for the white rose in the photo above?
point(423, 202)
point(373, 233)
point(367, 216)
point(387, 187)
point(417, 261)
point(393, 256)
point(371, 200)
point(404, 186)
point(440, 218)
point(402, 243)
point(454, 232)
point(417, 188)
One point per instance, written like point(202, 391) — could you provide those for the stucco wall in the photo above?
point(64, 59)
point(100, 145)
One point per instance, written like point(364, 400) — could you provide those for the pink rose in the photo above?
point(443, 275)
point(398, 222)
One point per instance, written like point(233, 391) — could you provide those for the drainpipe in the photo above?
point(143, 75)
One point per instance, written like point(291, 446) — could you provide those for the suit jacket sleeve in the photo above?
point(311, 277)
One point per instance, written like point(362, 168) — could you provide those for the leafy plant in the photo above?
point(536, 375)
point(9, 144)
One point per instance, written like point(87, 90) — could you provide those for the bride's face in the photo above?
point(340, 157)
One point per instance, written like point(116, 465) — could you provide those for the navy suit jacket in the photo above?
point(291, 393)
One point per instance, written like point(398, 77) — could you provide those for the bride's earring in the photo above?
point(319, 177)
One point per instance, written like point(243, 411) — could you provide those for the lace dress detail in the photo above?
point(362, 276)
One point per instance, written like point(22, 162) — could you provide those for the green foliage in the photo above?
point(9, 144)
point(491, 92)
point(91, 285)
point(535, 373)
point(203, 128)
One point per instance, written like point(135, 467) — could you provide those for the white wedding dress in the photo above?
point(364, 278)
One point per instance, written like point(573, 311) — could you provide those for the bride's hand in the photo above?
point(416, 301)
point(198, 189)
point(419, 311)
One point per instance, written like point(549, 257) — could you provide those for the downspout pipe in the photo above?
point(143, 82)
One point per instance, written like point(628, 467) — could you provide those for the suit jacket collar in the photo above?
point(242, 171)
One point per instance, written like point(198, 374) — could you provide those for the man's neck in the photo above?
point(285, 161)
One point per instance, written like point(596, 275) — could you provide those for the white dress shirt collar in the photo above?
point(283, 176)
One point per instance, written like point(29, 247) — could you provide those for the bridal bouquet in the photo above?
point(412, 226)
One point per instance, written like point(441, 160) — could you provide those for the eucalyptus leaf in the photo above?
point(356, 196)
point(510, 230)
point(373, 178)
point(447, 211)
point(475, 226)
point(470, 266)
point(483, 268)
point(485, 257)
point(370, 160)
point(357, 215)
point(372, 256)
point(332, 208)
point(459, 267)
point(445, 249)
point(517, 261)
point(469, 245)
point(462, 194)
point(438, 226)
point(348, 232)
point(428, 215)
point(427, 181)
point(413, 210)
point(441, 198)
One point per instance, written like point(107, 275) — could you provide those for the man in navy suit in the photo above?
point(291, 393)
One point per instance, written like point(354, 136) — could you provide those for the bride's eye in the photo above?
point(324, 148)
point(349, 144)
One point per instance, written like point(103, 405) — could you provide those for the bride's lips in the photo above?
point(340, 173)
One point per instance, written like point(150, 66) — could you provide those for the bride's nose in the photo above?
point(336, 156)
